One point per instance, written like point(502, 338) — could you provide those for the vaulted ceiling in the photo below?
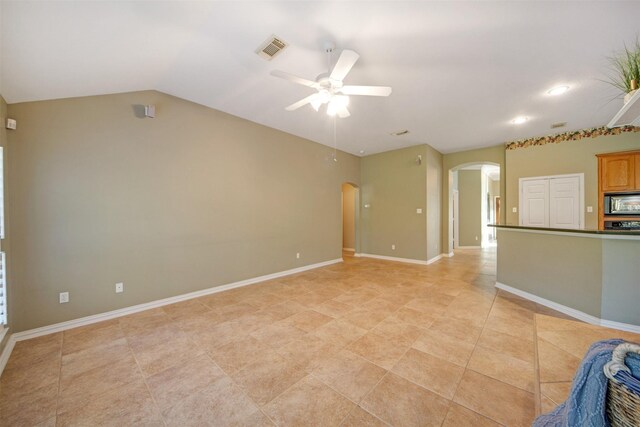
point(460, 71)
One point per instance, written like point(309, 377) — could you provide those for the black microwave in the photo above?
point(624, 204)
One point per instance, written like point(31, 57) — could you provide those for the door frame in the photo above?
point(456, 218)
point(580, 177)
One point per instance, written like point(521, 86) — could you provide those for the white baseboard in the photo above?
point(469, 247)
point(391, 258)
point(576, 314)
point(434, 259)
point(449, 255)
point(58, 327)
point(4, 357)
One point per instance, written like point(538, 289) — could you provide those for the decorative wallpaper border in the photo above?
point(570, 136)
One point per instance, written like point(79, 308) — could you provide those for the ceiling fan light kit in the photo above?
point(330, 88)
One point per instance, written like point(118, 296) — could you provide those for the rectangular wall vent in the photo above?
point(558, 125)
point(400, 132)
point(271, 47)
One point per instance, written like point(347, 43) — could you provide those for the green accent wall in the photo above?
point(189, 200)
point(470, 209)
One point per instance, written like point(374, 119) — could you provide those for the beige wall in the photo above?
point(434, 201)
point(470, 197)
point(491, 155)
point(394, 186)
point(192, 199)
point(348, 216)
point(563, 158)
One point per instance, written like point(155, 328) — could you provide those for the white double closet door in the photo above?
point(554, 202)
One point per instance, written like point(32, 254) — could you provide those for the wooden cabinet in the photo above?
point(617, 172)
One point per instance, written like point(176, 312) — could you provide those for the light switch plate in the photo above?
point(419, 211)
point(514, 210)
point(590, 209)
point(119, 287)
point(64, 297)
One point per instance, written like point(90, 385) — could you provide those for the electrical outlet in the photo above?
point(418, 211)
point(590, 209)
point(297, 255)
point(476, 238)
point(393, 247)
point(64, 297)
point(119, 287)
point(514, 210)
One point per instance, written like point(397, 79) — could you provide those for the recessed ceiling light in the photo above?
point(558, 90)
point(519, 120)
point(361, 151)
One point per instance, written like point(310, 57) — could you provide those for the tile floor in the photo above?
point(364, 342)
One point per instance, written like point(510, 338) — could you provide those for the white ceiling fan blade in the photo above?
point(342, 112)
point(293, 78)
point(366, 90)
point(347, 59)
point(302, 102)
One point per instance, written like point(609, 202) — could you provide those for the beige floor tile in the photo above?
point(185, 309)
point(130, 404)
point(79, 362)
point(364, 319)
point(174, 384)
point(445, 347)
point(504, 367)
point(89, 336)
point(459, 329)
point(20, 382)
point(557, 392)
point(546, 405)
point(401, 403)
point(459, 416)
point(144, 321)
point(333, 308)
point(361, 418)
point(340, 332)
point(521, 348)
point(308, 352)
point(78, 388)
point(31, 408)
point(219, 334)
point(427, 305)
point(384, 351)
point(349, 374)
point(164, 347)
point(501, 402)
point(415, 317)
point(236, 355)
point(555, 365)
point(198, 322)
point(221, 402)
point(307, 320)
point(233, 311)
point(35, 350)
point(430, 372)
point(283, 310)
point(49, 422)
point(396, 329)
point(266, 379)
point(310, 403)
point(278, 334)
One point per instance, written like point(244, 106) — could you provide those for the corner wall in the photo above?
point(4, 244)
point(470, 197)
point(192, 199)
point(394, 186)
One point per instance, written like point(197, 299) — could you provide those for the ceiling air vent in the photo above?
point(558, 125)
point(400, 132)
point(271, 47)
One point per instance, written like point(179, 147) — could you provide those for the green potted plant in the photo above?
point(625, 68)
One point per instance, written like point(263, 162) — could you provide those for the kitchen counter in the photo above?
point(592, 275)
point(571, 230)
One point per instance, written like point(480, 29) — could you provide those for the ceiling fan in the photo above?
point(329, 86)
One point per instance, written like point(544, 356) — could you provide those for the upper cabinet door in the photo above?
point(617, 172)
point(637, 156)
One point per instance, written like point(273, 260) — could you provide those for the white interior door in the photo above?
point(564, 202)
point(534, 203)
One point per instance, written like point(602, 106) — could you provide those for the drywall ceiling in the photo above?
point(460, 71)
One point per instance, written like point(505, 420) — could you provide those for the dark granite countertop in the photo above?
point(569, 230)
